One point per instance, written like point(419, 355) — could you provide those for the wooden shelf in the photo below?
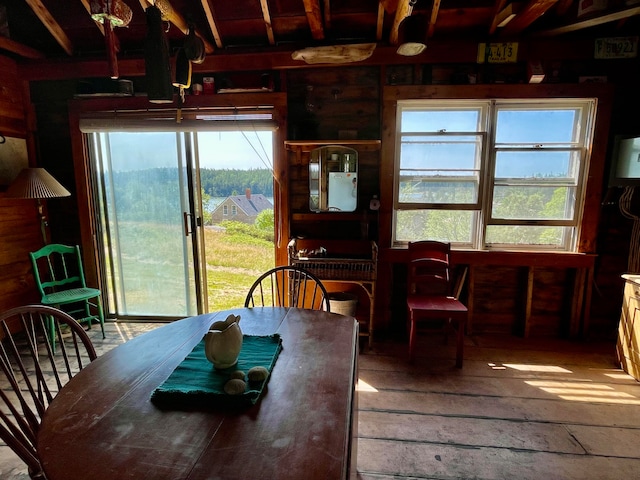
point(308, 145)
point(327, 216)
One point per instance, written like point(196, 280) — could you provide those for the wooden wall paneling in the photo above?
point(20, 234)
point(323, 102)
point(19, 220)
point(499, 302)
point(552, 305)
point(12, 116)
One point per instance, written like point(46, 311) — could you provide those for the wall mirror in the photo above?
point(333, 179)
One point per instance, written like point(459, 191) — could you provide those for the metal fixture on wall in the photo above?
point(37, 183)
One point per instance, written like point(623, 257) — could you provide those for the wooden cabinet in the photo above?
point(349, 237)
point(628, 347)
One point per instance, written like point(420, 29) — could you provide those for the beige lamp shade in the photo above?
point(36, 183)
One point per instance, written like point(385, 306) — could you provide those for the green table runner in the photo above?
point(195, 383)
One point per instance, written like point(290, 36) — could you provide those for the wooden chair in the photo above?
point(288, 286)
point(59, 277)
point(430, 295)
point(32, 373)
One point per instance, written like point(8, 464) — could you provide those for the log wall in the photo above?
point(19, 221)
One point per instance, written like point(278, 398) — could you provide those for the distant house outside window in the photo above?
point(225, 210)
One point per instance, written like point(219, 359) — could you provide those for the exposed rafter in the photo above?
point(533, 10)
point(314, 17)
point(380, 22)
point(177, 20)
point(19, 49)
point(327, 14)
point(404, 9)
point(208, 10)
point(592, 22)
point(267, 21)
point(563, 6)
point(497, 8)
point(389, 6)
point(435, 8)
point(54, 28)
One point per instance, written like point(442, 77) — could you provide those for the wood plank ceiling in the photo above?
point(54, 28)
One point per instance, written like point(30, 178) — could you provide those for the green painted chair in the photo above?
point(59, 276)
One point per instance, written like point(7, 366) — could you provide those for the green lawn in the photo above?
point(234, 261)
point(234, 257)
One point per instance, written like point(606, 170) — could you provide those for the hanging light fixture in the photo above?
point(412, 35)
point(37, 183)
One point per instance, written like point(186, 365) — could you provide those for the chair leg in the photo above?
point(52, 333)
point(87, 313)
point(100, 315)
point(460, 343)
point(412, 337)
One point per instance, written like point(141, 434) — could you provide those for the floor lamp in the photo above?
point(38, 184)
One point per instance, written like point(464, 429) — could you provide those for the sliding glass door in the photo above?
point(149, 199)
point(162, 189)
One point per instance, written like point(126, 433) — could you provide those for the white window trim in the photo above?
point(487, 181)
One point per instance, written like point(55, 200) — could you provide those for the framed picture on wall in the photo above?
point(13, 158)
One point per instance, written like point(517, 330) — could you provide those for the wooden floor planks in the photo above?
point(519, 409)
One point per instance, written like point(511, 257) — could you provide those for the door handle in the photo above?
point(185, 218)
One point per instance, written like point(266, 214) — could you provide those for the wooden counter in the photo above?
point(471, 260)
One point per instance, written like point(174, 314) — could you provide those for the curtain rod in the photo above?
point(91, 125)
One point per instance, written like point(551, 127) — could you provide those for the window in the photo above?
point(225, 210)
point(491, 173)
point(234, 210)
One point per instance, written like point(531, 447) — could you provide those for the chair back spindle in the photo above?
point(33, 372)
point(288, 286)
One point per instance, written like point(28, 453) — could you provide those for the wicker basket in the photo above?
point(334, 268)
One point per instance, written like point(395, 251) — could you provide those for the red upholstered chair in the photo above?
point(430, 298)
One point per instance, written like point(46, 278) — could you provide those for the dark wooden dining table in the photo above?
point(102, 425)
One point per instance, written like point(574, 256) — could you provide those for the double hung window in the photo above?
point(492, 173)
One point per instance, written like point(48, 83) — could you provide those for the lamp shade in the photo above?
point(36, 183)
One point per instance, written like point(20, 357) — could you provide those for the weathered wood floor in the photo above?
point(519, 409)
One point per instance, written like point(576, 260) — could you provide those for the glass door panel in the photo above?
point(148, 220)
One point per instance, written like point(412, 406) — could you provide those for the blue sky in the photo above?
point(140, 151)
point(513, 126)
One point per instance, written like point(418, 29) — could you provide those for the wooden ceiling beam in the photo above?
point(405, 8)
point(497, 8)
point(314, 17)
point(592, 22)
point(563, 6)
point(20, 49)
point(266, 15)
point(327, 14)
point(380, 22)
point(213, 26)
point(390, 6)
point(50, 23)
point(435, 8)
point(533, 10)
point(177, 20)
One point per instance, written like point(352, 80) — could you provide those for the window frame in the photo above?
point(484, 216)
